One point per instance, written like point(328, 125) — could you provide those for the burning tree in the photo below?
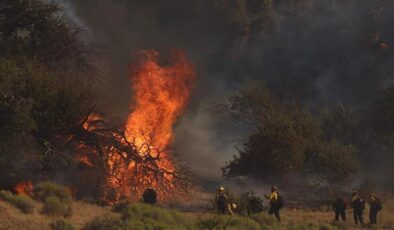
point(137, 156)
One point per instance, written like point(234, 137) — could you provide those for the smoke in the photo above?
point(318, 52)
point(205, 151)
point(68, 11)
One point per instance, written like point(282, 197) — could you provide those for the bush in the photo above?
point(143, 216)
point(62, 225)
point(121, 206)
point(107, 222)
point(341, 225)
point(227, 222)
point(54, 207)
point(265, 221)
point(309, 225)
point(22, 202)
point(47, 189)
point(6, 195)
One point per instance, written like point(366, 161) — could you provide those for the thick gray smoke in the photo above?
point(320, 52)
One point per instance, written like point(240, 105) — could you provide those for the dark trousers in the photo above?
point(274, 210)
point(373, 216)
point(341, 214)
point(358, 216)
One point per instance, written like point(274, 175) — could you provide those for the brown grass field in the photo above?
point(13, 218)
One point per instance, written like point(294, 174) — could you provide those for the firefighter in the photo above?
point(375, 206)
point(275, 202)
point(149, 196)
point(340, 209)
point(222, 205)
point(358, 205)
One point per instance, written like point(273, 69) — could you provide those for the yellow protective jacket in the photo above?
point(273, 197)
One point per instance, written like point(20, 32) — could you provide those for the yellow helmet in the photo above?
point(221, 189)
point(233, 206)
point(274, 188)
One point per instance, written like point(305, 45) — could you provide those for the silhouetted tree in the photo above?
point(287, 140)
point(35, 28)
point(35, 109)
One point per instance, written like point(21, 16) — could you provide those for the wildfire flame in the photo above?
point(24, 187)
point(137, 157)
point(160, 95)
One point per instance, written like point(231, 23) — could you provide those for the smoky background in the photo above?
point(319, 53)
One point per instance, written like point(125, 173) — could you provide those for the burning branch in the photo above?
point(127, 167)
point(136, 157)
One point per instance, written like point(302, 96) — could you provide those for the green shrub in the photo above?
point(209, 223)
point(62, 225)
point(309, 225)
point(107, 222)
point(227, 222)
point(54, 207)
point(152, 217)
point(340, 225)
point(6, 195)
point(47, 189)
point(324, 226)
point(121, 206)
point(306, 225)
point(22, 202)
point(266, 222)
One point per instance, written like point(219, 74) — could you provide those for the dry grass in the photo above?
point(13, 218)
point(84, 212)
point(385, 217)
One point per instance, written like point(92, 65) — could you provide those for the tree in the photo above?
point(36, 29)
point(380, 117)
point(35, 108)
point(286, 140)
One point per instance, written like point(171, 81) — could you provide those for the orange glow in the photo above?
point(85, 160)
point(138, 156)
point(160, 95)
point(24, 187)
point(91, 122)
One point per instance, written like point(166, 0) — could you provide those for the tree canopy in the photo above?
point(37, 29)
point(286, 140)
point(43, 64)
point(35, 107)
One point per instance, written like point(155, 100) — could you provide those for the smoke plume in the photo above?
point(317, 52)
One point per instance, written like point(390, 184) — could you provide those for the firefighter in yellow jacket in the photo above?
point(223, 206)
point(358, 205)
point(221, 201)
point(375, 205)
point(275, 204)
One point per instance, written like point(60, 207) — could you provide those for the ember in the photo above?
point(24, 187)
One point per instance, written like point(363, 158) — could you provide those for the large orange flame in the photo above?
point(160, 95)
